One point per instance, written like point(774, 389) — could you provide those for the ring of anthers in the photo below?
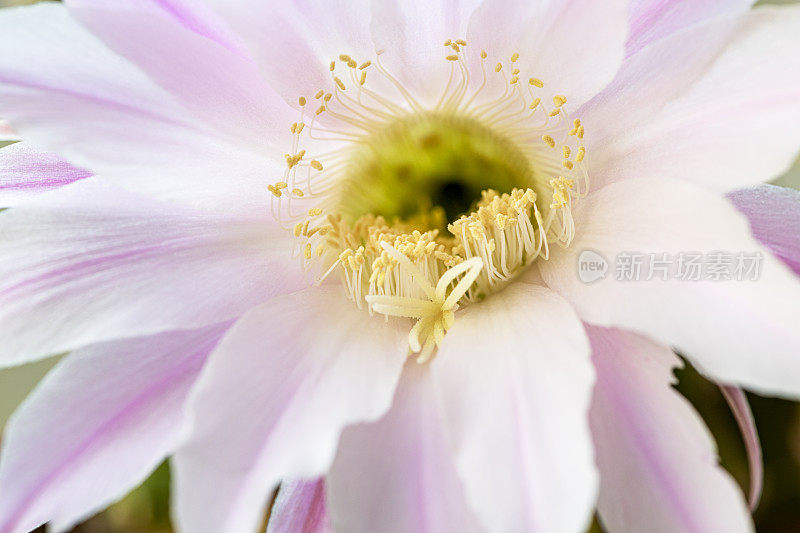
point(374, 207)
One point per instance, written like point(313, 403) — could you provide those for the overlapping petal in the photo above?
point(736, 125)
point(89, 263)
point(737, 332)
point(774, 215)
point(69, 94)
point(407, 451)
point(273, 400)
point(300, 507)
point(514, 380)
point(96, 426)
point(658, 462)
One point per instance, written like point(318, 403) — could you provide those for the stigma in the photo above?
point(422, 208)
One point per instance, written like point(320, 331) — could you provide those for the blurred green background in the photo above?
point(146, 509)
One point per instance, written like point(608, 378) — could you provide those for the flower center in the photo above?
point(423, 209)
point(431, 169)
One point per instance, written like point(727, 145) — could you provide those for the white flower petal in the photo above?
point(273, 400)
point(737, 332)
point(412, 33)
point(26, 173)
point(88, 263)
point(397, 475)
point(574, 46)
point(658, 462)
point(68, 94)
point(653, 20)
point(514, 379)
point(737, 125)
point(96, 426)
point(218, 85)
point(293, 42)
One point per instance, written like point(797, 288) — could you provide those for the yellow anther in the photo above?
point(332, 66)
point(452, 58)
point(300, 127)
point(535, 103)
point(294, 128)
point(515, 72)
point(549, 140)
point(298, 193)
point(307, 252)
point(484, 55)
point(559, 100)
point(498, 67)
point(514, 57)
point(345, 58)
point(327, 97)
point(461, 42)
point(536, 82)
point(302, 101)
point(580, 155)
point(554, 112)
point(364, 65)
point(281, 185)
point(352, 64)
point(567, 152)
point(339, 83)
point(319, 94)
point(274, 190)
point(298, 229)
point(320, 110)
point(580, 132)
point(514, 80)
point(568, 164)
point(448, 42)
point(363, 79)
point(455, 47)
point(316, 165)
point(314, 212)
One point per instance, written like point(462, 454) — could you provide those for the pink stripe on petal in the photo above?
point(96, 426)
point(26, 172)
point(300, 508)
point(774, 215)
point(6, 133)
point(737, 400)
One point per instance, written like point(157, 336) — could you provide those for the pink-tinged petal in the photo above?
point(397, 474)
point(774, 215)
point(89, 263)
point(96, 426)
point(218, 85)
point(412, 33)
point(300, 508)
point(293, 42)
point(646, 82)
point(737, 400)
point(737, 332)
point(721, 132)
point(6, 133)
point(514, 379)
point(273, 400)
point(26, 172)
point(658, 463)
point(70, 95)
point(574, 46)
point(653, 20)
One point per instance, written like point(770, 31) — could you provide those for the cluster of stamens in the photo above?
point(412, 267)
